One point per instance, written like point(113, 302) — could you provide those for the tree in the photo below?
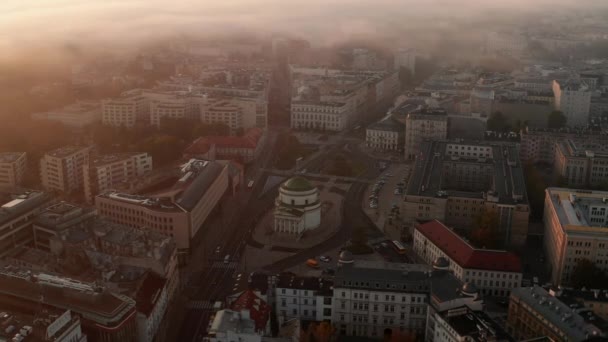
point(485, 232)
point(556, 120)
point(318, 332)
point(498, 122)
point(586, 274)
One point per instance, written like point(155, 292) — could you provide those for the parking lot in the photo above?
point(387, 250)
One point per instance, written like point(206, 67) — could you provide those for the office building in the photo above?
point(455, 182)
point(175, 106)
point(573, 98)
point(465, 325)
point(494, 272)
point(306, 298)
point(539, 145)
point(582, 163)
point(62, 169)
point(178, 211)
point(575, 222)
point(76, 115)
point(12, 168)
point(104, 315)
point(18, 209)
point(52, 325)
point(535, 312)
point(424, 124)
point(128, 109)
point(104, 172)
point(243, 149)
point(386, 134)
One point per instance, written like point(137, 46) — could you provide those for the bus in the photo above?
point(398, 247)
point(312, 263)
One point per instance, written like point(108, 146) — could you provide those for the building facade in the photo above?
point(127, 110)
point(573, 222)
point(386, 134)
point(62, 169)
point(297, 208)
point(106, 171)
point(244, 149)
point(581, 163)
point(76, 115)
point(12, 168)
point(573, 98)
point(327, 116)
point(306, 298)
point(493, 272)
point(424, 124)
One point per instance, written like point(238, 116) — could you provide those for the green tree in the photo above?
point(556, 120)
point(498, 122)
point(586, 274)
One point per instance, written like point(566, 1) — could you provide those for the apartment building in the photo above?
point(455, 182)
point(62, 169)
point(539, 145)
point(103, 172)
point(18, 209)
point(574, 229)
point(424, 124)
point(330, 116)
point(306, 298)
point(405, 58)
point(175, 106)
point(535, 312)
point(125, 111)
point(581, 163)
point(573, 98)
point(12, 168)
point(372, 298)
point(76, 115)
point(178, 211)
point(493, 272)
point(386, 134)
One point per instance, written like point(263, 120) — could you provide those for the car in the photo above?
point(325, 258)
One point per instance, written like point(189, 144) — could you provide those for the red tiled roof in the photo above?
point(202, 145)
point(149, 293)
point(258, 309)
point(464, 254)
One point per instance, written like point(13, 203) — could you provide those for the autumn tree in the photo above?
point(498, 122)
point(319, 332)
point(556, 120)
point(586, 274)
point(485, 232)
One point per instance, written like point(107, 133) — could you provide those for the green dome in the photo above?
point(297, 184)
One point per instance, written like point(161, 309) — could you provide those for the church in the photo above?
point(297, 208)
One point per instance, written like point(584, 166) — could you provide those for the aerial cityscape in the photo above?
point(316, 171)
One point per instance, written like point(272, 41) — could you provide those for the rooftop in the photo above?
point(17, 202)
point(66, 151)
point(584, 149)
point(576, 322)
point(100, 160)
point(475, 325)
point(288, 280)
point(33, 327)
point(465, 255)
point(388, 123)
point(63, 215)
point(202, 145)
point(10, 157)
point(429, 175)
point(149, 292)
point(259, 310)
point(573, 208)
point(383, 276)
point(297, 183)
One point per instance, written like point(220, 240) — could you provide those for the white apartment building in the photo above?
point(306, 298)
point(128, 109)
point(573, 98)
point(424, 124)
point(406, 58)
point(386, 134)
point(61, 169)
point(175, 106)
point(12, 168)
point(106, 171)
point(328, 116)
point(77, 115)
point(493, 272)
point(575, 222)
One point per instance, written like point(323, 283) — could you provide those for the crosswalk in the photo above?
point(200, 304)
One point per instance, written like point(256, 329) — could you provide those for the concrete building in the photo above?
point(581, 163)
point(372, 298)
point(179, 211)
point(297, 208)
point(424, 124)
point(18, 207)
point(175, 105)
point(455, 182)
point(52, 220)
point(539, 145)
point(405, 58)
point(243, 149)
point(535, 312)
point(305, 298)
point(386, 134)
point(493, 272)
point(573, 98)
point(76, 115)
point(104, 315)
point(103, 172)
point(12, 168)
point(574, 221)
point(52, 325)
point(330, 116)
point(465, 325)
point(482, 101)
point(130, 108)
point(62, 169)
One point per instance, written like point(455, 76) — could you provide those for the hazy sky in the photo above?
point(27, 22)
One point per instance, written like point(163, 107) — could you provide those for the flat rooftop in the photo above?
point(100, 160)
point(292, 281)
point(476, 326)
point(10, 157)
point(576, 322)
point(62, 215)
point(65, 151)
point(583, 148)
point(16, 202)
point(573, 207)
point(428, 175)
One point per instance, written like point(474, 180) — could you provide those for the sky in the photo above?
point(38, 22)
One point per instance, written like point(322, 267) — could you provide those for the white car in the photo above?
point(324, 258)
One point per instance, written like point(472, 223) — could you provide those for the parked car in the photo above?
point(325, 258)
